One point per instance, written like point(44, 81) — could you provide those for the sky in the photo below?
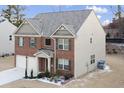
point(105, 13)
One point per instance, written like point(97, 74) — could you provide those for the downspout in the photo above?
point(54, 54)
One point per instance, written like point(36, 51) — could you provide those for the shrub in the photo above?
point(26, 76)
point(41, 75)
point(47, 74)
point(114, 51)
point(13, 54)
point(58, 73)
point(68, 76)
point(31, 74)
point(3, 55)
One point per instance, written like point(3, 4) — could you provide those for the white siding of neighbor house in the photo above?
point(83, 48)
point(6, 29)
point(32, 64)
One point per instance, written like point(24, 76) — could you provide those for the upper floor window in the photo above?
point(63, 64)
point(10, 37)
point(48, 42)
point(32, 42)
point(92, 58)
point(63, 44)
point(21, 41)
point(91, 40)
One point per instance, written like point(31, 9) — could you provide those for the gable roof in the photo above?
point(47, 52)
point(47, 23)
point(69, 28)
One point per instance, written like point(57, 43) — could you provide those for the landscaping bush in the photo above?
point(3, 56)
point(58, 73)
point(41, 75)
point(31, 74)
point(68, 76)
point(26, 76)
point(114, 51)
point(47, 74)
point(13, 54)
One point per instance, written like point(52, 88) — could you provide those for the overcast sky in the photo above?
point(104, 13)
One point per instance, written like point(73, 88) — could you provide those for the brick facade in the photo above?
point(69, 54)
point(26, 50)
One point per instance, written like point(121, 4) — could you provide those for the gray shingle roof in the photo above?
point(48, 52)
point(47, 23)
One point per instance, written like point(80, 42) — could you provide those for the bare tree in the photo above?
point(14, 13)
point(117, 11)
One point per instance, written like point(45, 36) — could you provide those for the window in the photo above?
point(63, 64)
point(10, 37)
point(47, 41)
point(32, 42)
point(91, 40)
point(92, 57)
point(63, 44)
point(21, 41)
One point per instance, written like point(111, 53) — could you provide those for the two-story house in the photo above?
point(70, 41)
point(6, 37)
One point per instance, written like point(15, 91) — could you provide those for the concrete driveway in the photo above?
point(11, 75)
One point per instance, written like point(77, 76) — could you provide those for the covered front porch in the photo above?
point(45, 60)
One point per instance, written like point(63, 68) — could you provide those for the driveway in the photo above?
point(112, 78)
point(11, 75)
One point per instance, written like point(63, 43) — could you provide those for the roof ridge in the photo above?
point(65, 11)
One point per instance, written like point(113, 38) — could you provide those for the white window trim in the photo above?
point(63, 44)
point(33, 38)
point(63, 64)
point(21, 42)
point(45, 42)
point(92, 57)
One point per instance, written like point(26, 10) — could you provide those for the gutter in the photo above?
point(54, 53)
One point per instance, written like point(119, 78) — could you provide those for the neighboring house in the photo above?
point(70, 41)
point(6, 39)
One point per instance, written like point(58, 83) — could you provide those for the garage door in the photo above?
point(21, 61)
point(32, 65)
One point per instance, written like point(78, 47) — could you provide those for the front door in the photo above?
point(42, 64)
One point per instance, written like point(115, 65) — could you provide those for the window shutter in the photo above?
point(18, 41)
point(56, 64)
point(69, 44)
point(56, 43)
point(23, 41)
point(70, 65)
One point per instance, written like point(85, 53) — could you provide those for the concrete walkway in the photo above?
point(11, 75)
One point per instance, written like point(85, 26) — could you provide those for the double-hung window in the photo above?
point(32, 42)
point(63, 64)
point(63, 44)
point(92, 57)
point(21, 41)
point(48, 42)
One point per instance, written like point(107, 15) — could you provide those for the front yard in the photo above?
point(6, 63)
point(113, 77)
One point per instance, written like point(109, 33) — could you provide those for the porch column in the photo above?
point(49, 60)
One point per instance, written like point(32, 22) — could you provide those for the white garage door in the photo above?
point(32, 65)
point(21, 61)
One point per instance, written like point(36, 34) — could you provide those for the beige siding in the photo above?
point(26, 29)
point(62, 31)
point(83, 47)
